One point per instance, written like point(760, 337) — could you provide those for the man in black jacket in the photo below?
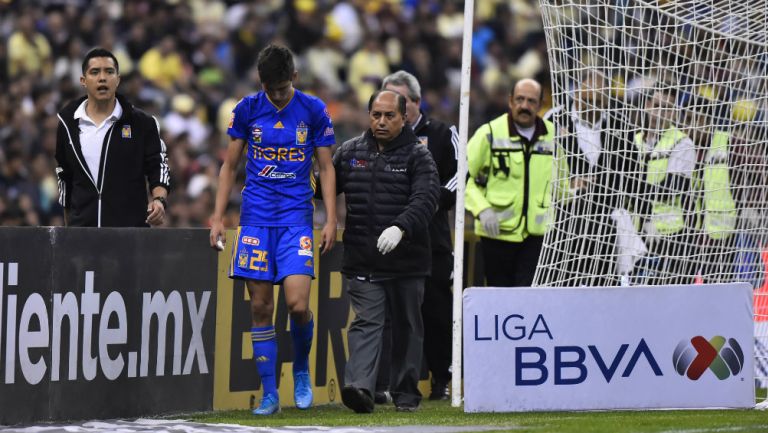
point(594, 155)
point(437, 309)
point(391, 188)
point(107, 151)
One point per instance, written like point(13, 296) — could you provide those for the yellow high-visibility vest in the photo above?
point(507, 168)
point(666, 215)
point(719, 206)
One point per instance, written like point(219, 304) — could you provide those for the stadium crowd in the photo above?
point(189, 62)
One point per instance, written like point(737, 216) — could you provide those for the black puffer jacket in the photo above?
point(398, 186)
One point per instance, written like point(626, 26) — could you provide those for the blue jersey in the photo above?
point(279, 183)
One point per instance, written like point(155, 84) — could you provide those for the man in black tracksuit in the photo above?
point(437, 309)
point(391, 189)
point(599, 152)
point(107, 152)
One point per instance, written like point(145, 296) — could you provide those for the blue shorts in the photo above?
point(272, 253)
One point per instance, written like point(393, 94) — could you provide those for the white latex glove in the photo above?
point(629, 245)
point(389, 239)
point(490, 222)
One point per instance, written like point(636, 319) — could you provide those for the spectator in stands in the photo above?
point(106, 150)
point(280, 129)
point(391, 189)
point(367, 67)
point(509, 187)
point(163, 65)
point(29, 52)
point(184, 119)
point(437, 308)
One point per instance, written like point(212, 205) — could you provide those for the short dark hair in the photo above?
point(99, 52)
point(275, 64)
point(400, 100)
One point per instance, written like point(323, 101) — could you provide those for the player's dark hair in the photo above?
point(400, 100)
point(275, 64)
point(99, 52)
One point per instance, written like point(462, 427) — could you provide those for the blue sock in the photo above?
point(302, 343)
point(265, 355)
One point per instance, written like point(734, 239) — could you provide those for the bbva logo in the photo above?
point(693, 358)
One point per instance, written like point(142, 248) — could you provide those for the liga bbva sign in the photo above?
point(530, 349)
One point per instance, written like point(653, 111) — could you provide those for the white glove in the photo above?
point(490, 222)
point(389, 239)
point(630, 247)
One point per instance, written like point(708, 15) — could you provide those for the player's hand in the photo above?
point(155, 213)
point(216, 236)
point(490, 222)
point(328, 237)
point(389, 239)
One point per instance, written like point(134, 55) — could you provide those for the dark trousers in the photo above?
point(671, 259)
point(369, 300)
point(510, 264)
point(719, 259)
point(590, 245)
point(437, 311)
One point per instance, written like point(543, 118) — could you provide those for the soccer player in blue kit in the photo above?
point(279, 130)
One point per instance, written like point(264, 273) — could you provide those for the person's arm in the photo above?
point(328, 187)
point(447, 167)
point(226, 181)
point(157, 172)
point(63, 173)
point(682, 163)
point(425, 194)
point(478, 158)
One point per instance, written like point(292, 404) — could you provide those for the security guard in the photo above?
point(668, 159)
point(715, 198)
point(509, 190)
point(719, 206)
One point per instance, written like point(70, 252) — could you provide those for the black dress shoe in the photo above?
point(357, 399)
point(439, 391)
point(382, 397)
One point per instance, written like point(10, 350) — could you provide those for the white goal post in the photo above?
point(661, 176)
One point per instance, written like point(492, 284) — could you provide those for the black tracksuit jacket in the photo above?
point(442, 142)
point(132, 156)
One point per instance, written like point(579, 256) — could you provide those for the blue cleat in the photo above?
point(270, 404)
point(302, 390)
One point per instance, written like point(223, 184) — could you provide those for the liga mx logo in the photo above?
point(693, 358)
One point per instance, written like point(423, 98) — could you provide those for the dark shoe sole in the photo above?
point(357, 400)
point(406, 408)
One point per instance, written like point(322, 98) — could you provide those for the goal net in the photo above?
point(662, 116)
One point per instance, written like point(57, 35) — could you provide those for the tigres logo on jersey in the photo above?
point(302, 131)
